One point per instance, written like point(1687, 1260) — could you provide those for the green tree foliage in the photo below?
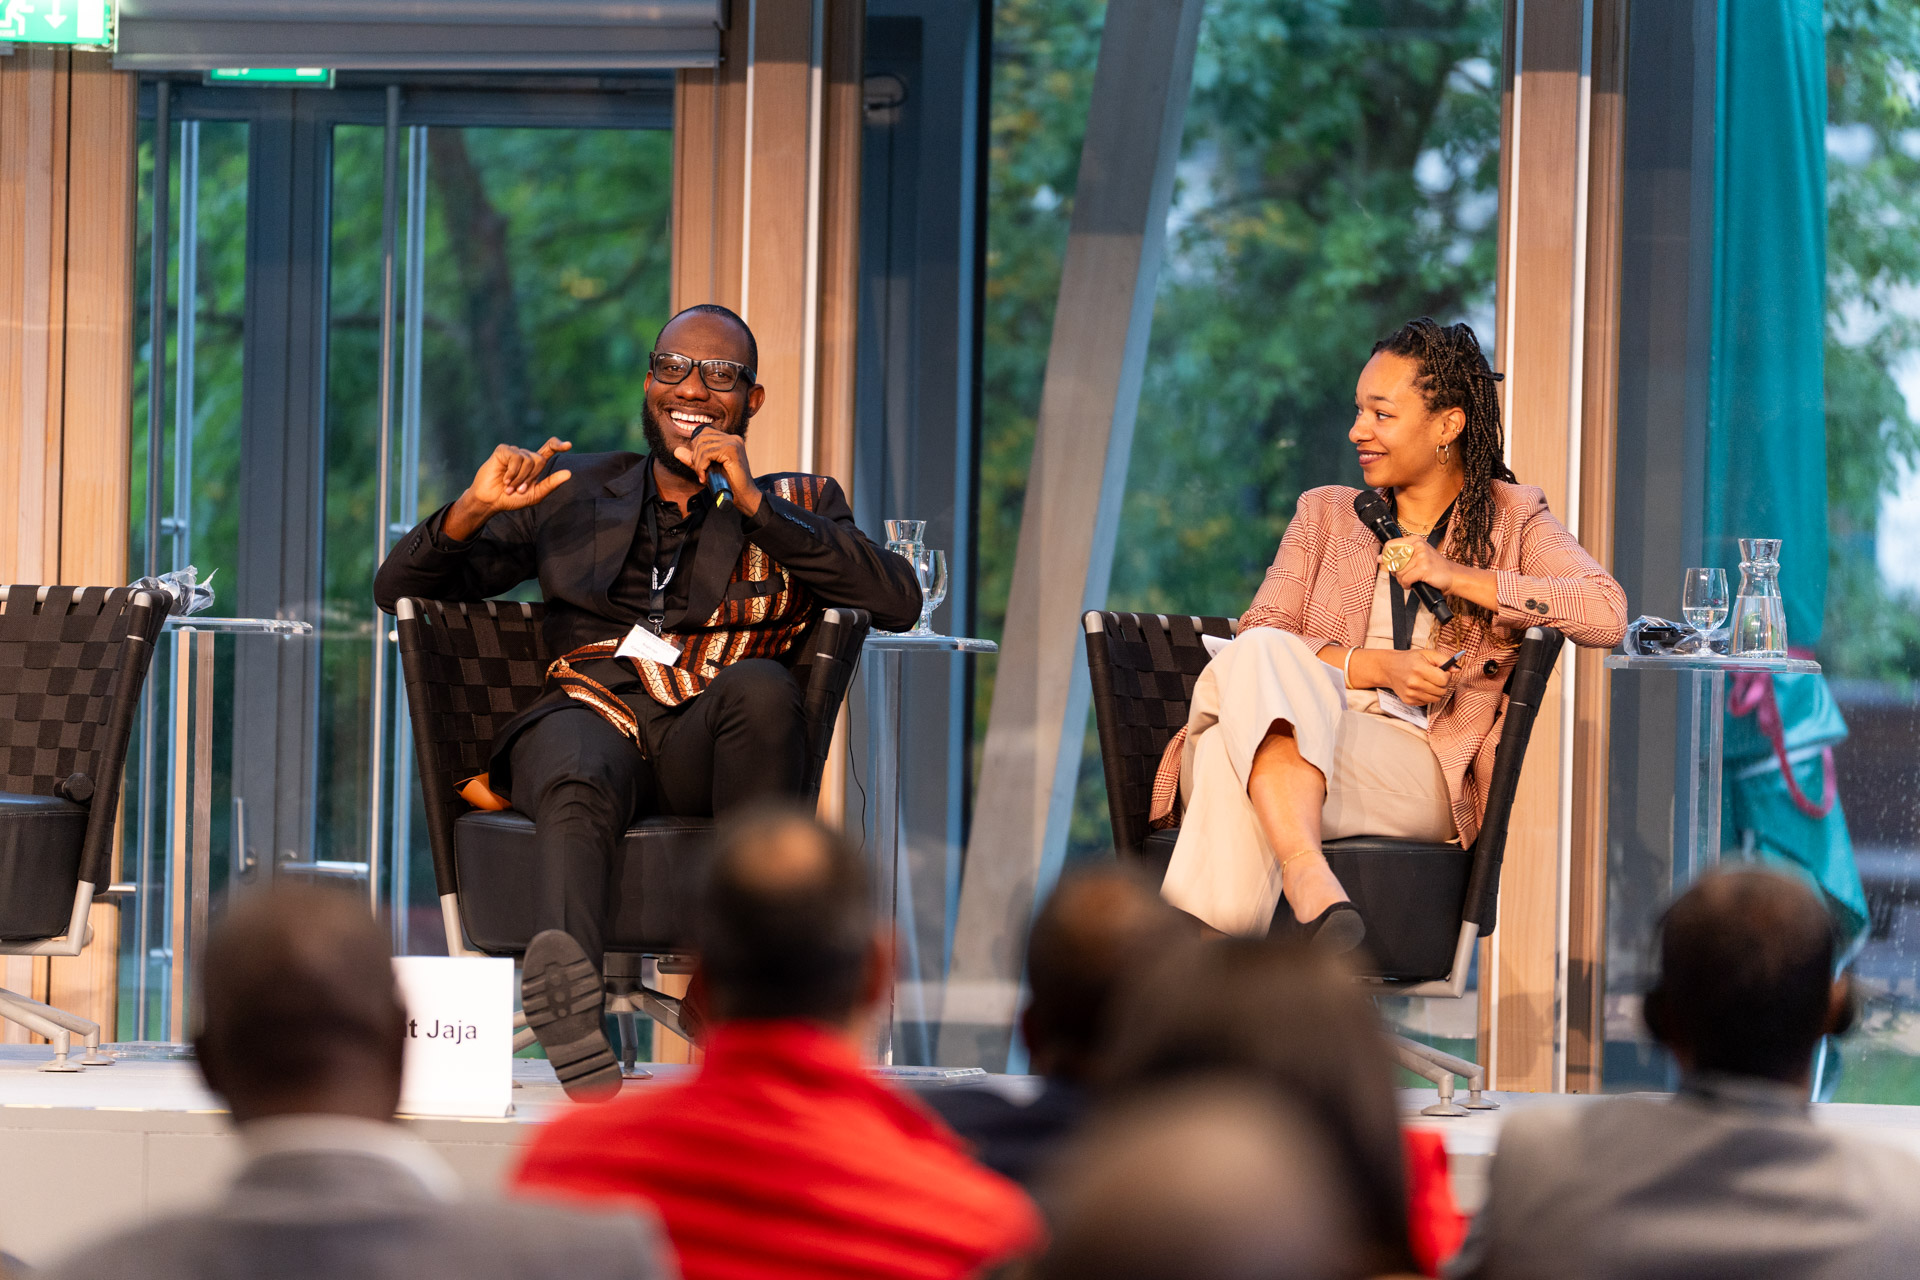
point(1337, 177)
point(1873, 322)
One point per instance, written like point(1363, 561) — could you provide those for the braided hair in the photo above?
point(1452, 373)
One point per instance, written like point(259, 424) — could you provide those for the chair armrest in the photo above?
point(832, 654)
point(1526, 689)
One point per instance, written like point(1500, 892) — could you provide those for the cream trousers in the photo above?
point(1382, 777)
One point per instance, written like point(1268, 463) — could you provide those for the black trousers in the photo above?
point(583, 782)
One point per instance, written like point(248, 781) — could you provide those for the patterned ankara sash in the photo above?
point(765, 622)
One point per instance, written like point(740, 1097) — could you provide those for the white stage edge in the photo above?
point(83, 1154)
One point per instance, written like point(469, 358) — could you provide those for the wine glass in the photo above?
point(1703, 599)
point(930, 567)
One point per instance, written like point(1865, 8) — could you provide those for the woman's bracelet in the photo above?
point(1346, 666)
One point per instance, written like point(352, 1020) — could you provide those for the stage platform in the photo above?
point(82, 1154)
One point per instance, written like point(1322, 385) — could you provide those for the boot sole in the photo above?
point(563, 998)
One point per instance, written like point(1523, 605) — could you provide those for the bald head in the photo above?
point(1086, 939)
point(1746, 976)
point(1207, 1181)
point(299, 1010)
point(786, 925)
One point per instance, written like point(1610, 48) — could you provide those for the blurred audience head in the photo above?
point(1095, 928)
point(1292, 1018)
point(1203, 1180)
point(786, 923)
point(1746, 982)
point(300, 1012)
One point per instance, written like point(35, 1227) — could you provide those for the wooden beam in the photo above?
point(1587, 889)
point(67, 141)
point(1557, 308)
point(766, 220)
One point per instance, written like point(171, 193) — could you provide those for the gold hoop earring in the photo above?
point(1444, 452)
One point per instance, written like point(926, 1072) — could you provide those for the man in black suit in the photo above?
point(677, 619)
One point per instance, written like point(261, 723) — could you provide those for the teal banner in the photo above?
point(1766, 471)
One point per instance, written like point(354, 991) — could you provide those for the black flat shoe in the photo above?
point(563, 997)
point(1336, 930)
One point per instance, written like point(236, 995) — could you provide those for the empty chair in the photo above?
point(72, 661)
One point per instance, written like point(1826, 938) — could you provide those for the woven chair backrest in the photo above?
point(469, 669)
point(1144, 667)
point(72, 660)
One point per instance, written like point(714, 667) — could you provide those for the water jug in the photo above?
point(1759, 614)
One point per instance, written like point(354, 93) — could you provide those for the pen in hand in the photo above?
point(1448, 665)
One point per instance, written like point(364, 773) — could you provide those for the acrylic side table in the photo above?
point(883, 756)
point(1706, 677)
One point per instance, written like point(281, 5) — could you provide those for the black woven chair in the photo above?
point(469, 669)
point(72, 661)
point(1425, 904)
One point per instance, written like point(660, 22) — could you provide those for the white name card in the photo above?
point(459, 1035)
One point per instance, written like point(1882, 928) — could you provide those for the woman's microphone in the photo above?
point(1377, 516)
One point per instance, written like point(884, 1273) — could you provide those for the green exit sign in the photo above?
point(57, 21)
point(272, 75)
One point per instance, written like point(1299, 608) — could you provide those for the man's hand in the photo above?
point(710, 448)
point(505, 482)
point(1414, 675)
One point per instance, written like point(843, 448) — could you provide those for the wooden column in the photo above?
point(766, 220)
point(67, 140)
point(1557, 309)
point(766, 214)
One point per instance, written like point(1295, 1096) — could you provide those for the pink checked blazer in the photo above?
point(1321, 586)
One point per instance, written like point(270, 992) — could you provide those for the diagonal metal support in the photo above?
point(1072, 511)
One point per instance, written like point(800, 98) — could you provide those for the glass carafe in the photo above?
point(1759, 614)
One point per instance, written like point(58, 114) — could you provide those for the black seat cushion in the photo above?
point(656, 872)
point(1411, 893)
point(40, 841)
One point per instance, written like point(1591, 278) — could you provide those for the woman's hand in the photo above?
point(1425, 564)
point(1414, 675)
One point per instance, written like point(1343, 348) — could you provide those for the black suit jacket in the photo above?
point(576, 541)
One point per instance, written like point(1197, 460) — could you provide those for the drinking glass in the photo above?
point(904, 535)
point(930, 567)
point(1703, 599)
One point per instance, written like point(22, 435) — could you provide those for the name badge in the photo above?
point(642, 643)
point(1415, 716)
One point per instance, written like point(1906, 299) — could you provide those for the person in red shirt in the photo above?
point(784, 1156)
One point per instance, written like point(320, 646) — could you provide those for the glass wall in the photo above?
point(1841, 812)
point(1871, 644)
point(531, 275)
point(1338, 176)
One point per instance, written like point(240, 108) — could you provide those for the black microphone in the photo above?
point(717, 483)
point(1375, 514)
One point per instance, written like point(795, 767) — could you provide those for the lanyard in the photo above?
point(657, 597)
point(1406, 607)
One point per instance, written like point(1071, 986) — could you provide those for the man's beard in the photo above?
point(657, 445)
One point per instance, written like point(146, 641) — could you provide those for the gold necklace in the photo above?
point(1411, 527)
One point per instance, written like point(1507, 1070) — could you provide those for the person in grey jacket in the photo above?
point(1731, 1176)
point(303, 1027)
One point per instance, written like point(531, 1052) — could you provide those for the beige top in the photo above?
point(1380, 636)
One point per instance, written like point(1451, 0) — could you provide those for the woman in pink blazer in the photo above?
point(1342, 709)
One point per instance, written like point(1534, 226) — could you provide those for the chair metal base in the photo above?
point(60, 1027)
point(1440, 1067)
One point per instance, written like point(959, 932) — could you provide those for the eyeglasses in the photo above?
point(718, 375)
